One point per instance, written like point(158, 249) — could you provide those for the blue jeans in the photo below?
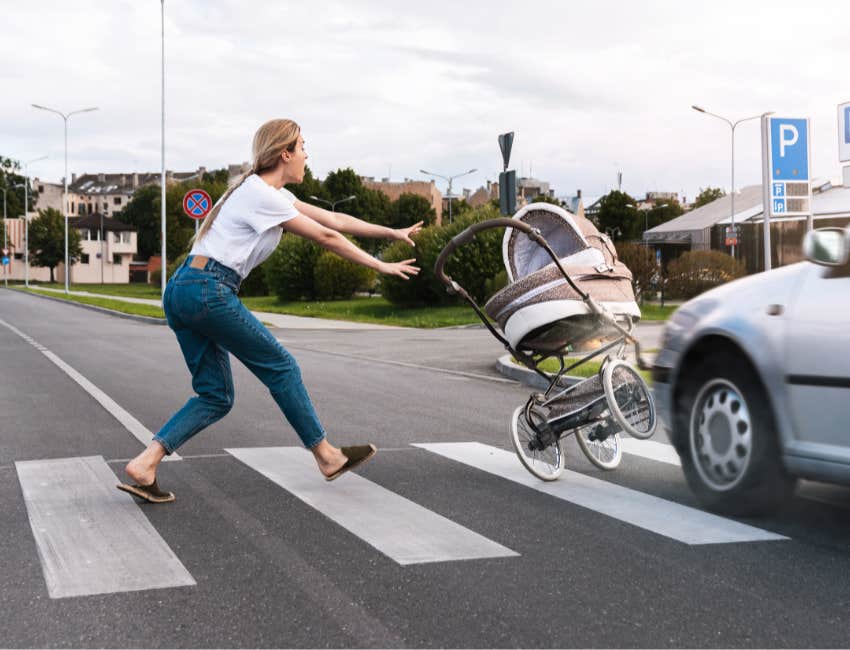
point(209, 320)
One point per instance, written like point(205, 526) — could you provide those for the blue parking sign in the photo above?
point(779, 189)
point(778, 206)
point(4, 261)
point(789, 149)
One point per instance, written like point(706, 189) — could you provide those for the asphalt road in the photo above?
point(274, 559)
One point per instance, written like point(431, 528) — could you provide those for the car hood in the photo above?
point(752, 292)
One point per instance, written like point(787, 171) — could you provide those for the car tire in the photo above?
point(726, 436)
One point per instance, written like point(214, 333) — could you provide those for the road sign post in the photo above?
point(507, 179)
point(786, 173)
point(844, 132)
point(197, 205)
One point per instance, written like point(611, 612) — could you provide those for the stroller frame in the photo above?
point(593, 408)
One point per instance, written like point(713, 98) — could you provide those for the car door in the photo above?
point(818, 363)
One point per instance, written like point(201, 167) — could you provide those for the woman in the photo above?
point(202, 308)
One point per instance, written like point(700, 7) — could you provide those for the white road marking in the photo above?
point(139, 431)
point(395, 526)
point(651, 449)
point(659, 516)
point(91, 538)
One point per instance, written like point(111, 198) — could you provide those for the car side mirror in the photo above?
point(827, 246)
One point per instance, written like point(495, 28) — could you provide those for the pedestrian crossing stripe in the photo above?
point(397, 527)
point(667, 518)
point(91, 538)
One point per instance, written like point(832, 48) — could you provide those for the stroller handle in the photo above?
point(466, 236)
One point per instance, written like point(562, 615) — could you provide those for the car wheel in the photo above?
point(726, 436)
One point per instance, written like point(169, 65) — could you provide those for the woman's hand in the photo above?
point(405, 234)
point(402, 269)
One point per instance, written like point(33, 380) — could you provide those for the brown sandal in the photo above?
point(356, 456)
point(150, 493)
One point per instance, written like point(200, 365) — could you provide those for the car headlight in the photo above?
point(677, 325)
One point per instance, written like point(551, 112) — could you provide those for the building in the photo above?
point(528, 189)
point(107, 260)
point(394, 189)
point(109, 193)
point(704, 228)
point(483, 195)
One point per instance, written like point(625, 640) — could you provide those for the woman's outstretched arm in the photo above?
point(335, 242)
point(353, 226)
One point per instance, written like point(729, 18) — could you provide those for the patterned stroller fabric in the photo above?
point(538, 310)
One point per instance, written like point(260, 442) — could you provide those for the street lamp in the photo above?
point(333, 204)
point(449, 194)
point(27, 221)
point(732, 125)
point(613, 232)
point(65, 196)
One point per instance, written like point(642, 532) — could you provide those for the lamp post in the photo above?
point(164, 274)
point(333, 204)
point(449, 194)
point(65, 195)
point(732, 125)
point(27, 221)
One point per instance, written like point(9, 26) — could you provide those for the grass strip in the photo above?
point(106, 303)
point(368, 310)
point(134, 290)
point(587, 369)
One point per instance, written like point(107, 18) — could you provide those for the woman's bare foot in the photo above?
point(142, 469)
point(329, 458)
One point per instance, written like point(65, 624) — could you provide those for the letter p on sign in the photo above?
point(788, 136)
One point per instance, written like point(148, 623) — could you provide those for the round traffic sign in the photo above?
point(197, 204)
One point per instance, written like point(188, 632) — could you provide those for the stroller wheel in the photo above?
point(604, 452)
point(547, 464)
point(629, 400)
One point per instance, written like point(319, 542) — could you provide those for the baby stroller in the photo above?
point(567, 293)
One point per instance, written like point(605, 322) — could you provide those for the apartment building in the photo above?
point(394, 189)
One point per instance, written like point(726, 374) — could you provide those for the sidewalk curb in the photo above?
point(511, 370)
point(142, 319)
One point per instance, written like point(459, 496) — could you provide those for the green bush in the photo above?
point(289, 270)
point(255, 284)
point(697, 271)
point(472, 266)
point(156, 276)
point(337, 278)
point(641, 262)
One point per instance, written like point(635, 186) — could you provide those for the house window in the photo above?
point(125, 237)
point(84, 258)
point(116, 238)
point(90, 206)
point(105, 205)
point(41, 188)
point(117, 200)
point(116, 258)
point(19, 256)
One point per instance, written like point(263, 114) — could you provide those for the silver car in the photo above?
point(753, 381)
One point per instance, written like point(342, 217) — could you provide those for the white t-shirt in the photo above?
point(247, 228)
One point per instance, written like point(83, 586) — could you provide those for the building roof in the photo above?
point(124, 183)
point(712, 213)
point(94, 221)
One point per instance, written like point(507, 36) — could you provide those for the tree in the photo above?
point(708, 195)
point(144, 212)
point(662, 212)
point(47, 240)
point(545, 198)
point(619, 216)
point(13, 182)
point(310, 186)
point(410, 208)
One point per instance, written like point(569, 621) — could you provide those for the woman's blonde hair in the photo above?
point(271, 139)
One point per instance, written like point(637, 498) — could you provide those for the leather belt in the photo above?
point(199, 262)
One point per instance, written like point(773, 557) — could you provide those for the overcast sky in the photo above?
point(391, 87)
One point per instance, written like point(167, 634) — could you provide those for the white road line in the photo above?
point(660, 516)
point(91, 538)
point(139, 431)
point(651, 449)
point(395, 526)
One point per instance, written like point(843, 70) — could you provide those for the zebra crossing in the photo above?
point(93, 539)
